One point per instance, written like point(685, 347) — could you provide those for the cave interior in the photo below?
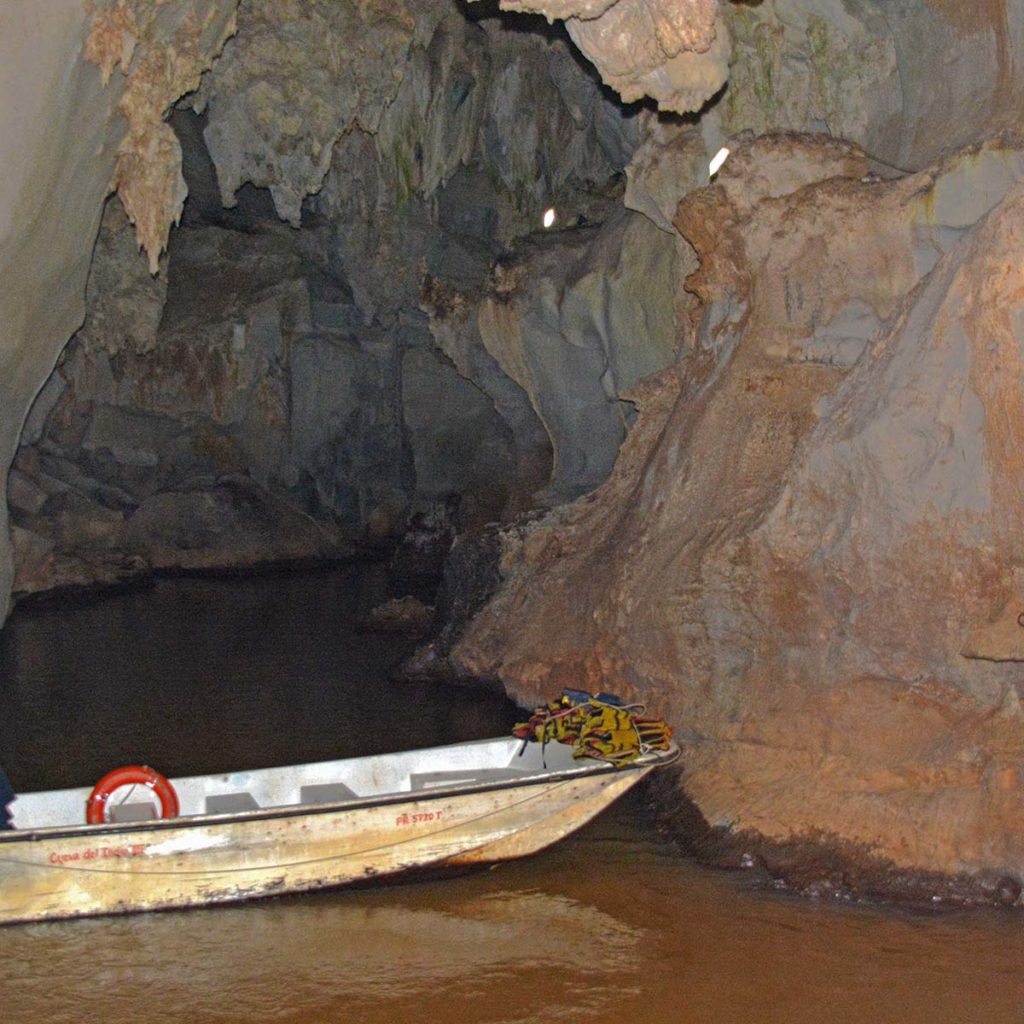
point(453, 284)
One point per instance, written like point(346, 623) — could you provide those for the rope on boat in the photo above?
point(600, 727)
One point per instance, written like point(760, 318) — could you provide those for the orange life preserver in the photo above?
point(130, 774)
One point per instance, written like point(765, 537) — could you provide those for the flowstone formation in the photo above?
point(809, 549)
point(178, 42)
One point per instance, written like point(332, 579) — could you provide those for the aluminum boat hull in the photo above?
point(201, 859)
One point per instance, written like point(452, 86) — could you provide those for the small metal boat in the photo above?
point(297, 828)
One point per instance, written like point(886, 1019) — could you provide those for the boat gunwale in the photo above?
point(652, 759)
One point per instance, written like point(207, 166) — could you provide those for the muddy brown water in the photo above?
point(611, 925)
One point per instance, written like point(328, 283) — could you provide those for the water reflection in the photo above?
point(209, 675)
point(609, 926)
point(403, 955)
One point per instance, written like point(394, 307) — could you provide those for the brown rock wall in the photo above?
point(812, 519)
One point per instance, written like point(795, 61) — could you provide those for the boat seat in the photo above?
point(131, 812)
point(231, 803)
point(326, 793)
point(434, 780)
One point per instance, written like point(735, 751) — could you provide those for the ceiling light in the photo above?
point(717, 160)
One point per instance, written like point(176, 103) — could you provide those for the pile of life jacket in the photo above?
point(599, 725)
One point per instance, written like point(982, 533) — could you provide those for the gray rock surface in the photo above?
point(61, 140)
point(167, 410)
point(297, 365)
point(294, 79)
point(469, 453)
point(575, 318)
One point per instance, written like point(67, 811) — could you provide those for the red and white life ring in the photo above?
point(130, 775)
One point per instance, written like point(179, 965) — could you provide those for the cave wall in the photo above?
point(276, 390)
point(808, 553)
point(574, 321)
point(64, 127)
point(41, 244)
point(150, 444)
point(910, 81)
point(394, 151)
point(809, 550)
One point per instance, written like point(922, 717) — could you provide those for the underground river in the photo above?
point(204, 675)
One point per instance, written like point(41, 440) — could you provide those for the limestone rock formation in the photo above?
point(867, 72)
point(808, 551)
point(575, 319)
point(162, 50)
point(61, 135)
point(157, 439)
point(445, 136)
point(670, 160)
point(871, 72)
point(293, 371)
point(295, 79)
point(676, 51)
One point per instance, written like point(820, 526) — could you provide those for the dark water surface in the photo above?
point(610, 926)
point(203, 675)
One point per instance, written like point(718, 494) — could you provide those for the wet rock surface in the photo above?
point(822, 867)
point(404, 616)
point(470, 576)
